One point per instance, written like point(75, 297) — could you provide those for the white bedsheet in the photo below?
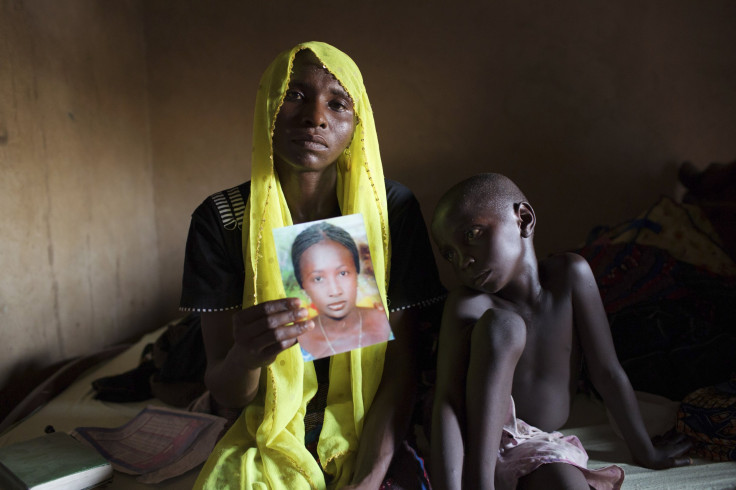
point(604, 445)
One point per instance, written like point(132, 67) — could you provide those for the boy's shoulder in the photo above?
point(563, 259)
point(563, 269)
point(469, 304)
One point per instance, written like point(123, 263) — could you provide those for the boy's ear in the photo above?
point(527, 218)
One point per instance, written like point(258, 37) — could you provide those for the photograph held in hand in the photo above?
point(327, 264)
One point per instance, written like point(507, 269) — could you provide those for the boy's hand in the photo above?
point(669, 451)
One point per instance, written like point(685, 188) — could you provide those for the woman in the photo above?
point(315, 156)
point(326, 265)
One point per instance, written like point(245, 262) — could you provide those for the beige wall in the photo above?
point(118, 118)
point(78, 242)
point(589, 106)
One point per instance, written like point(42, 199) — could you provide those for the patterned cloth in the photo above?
point(670, 294)
point(525, 448)
point(708, 417)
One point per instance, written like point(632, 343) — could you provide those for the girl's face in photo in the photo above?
point(329, 278)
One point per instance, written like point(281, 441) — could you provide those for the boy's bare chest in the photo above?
point(549, 344)
point(545, 373)
point(549, 337)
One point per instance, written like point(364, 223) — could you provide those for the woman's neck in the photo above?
point(311, 195)
point(344, 324)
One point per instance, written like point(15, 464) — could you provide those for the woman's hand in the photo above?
point(263, 331)
point(669, 451)
point(239, 344)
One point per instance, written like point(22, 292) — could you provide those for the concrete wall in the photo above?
point(118, 118)
point(78, 242)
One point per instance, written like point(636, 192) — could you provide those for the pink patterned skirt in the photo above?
point(525, 448)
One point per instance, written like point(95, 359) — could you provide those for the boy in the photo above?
point(512, 341)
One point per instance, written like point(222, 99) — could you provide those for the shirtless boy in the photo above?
point(515, 334)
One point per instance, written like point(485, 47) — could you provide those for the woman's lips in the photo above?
point(313, 142)
point(340, 305)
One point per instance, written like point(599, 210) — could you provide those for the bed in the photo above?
point(645, 285)
point(76, 406)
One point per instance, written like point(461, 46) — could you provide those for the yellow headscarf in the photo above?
point(265, 447)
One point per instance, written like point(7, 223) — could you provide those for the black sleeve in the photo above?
point(213, 264)
point(414, 280)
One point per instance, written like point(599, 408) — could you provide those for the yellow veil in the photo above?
point(265, 447)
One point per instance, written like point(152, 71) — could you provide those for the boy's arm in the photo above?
point(608, 376)
point(448, 411)
point(497, 342)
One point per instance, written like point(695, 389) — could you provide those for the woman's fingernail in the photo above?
point(302, 313)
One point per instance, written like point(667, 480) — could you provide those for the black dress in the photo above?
point(214, 271)
point(214, 279)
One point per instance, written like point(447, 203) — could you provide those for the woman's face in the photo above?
point(329, 278)
point(316, 120)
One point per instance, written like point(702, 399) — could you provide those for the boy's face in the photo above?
point(483, 245)
point(329, 278)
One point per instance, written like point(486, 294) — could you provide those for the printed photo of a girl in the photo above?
point(332, 272)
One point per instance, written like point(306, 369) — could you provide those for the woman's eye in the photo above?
point(338, 106)
point(448, 256)
point(344, 273)
point(317, 279)
point(293, 95)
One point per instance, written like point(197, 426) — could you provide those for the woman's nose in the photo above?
point(335, 289)
point(313, 115)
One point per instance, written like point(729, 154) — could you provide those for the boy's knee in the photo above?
point(500, 332)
